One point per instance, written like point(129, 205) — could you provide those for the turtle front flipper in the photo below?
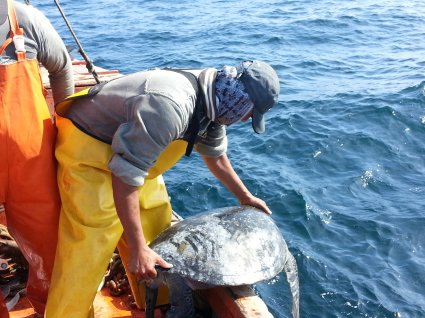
point(150, 299)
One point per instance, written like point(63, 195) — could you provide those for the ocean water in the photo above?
point(342, 164)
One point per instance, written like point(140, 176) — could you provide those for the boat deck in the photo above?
point(235, 302)
point(106, 306)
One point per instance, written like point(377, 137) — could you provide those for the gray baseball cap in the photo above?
point(262, 85)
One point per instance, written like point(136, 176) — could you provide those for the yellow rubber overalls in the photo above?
point(28, 185)
point(90, 229)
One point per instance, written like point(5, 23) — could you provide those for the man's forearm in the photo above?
point(127, 204)
point(222, 169)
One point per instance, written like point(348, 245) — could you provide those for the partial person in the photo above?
point(114, 142)
point(28, 186)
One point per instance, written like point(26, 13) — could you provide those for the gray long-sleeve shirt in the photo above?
point(43, 43)
point(142, 113)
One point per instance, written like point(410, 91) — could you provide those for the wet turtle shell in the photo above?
point(224, 247)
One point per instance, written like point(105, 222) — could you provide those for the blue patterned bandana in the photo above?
point(233, 102)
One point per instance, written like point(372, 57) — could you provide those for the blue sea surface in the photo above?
point(342, 163)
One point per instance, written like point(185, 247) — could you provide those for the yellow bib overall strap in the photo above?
point(64, 105)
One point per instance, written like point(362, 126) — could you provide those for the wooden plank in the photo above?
point(250, 304)
point(235, 302)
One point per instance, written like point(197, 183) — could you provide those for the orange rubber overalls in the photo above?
point(28, 186)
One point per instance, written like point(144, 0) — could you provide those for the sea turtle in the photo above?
point(225, 247)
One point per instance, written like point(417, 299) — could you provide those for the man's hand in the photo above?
point(142, 259)
point(142, 263)
point(257, 203)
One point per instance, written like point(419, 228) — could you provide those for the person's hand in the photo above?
point(142, 263)
point(257, 203)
